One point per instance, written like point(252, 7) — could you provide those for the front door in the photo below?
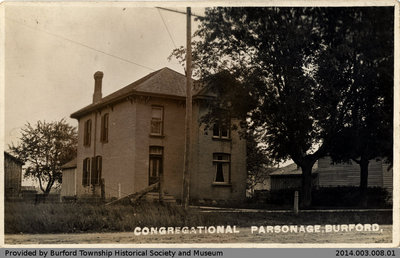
point(155, 164)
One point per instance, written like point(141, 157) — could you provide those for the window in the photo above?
point(155, 163)
point(92, 171)
point(220, 131)
point(156, 120)
point(96, 170)
point(86, 172)
point(87, 132)
point(104, 128)
point(222, 165)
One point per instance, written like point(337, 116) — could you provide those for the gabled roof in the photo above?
point(164, 83)
point(291, 169)
point(70, 164)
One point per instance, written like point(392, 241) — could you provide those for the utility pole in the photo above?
point(188, 116)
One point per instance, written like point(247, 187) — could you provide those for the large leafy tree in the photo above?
point(229, 106)
point(362, 60)
point(45, 147)
point(272, 53)
point(293, 70)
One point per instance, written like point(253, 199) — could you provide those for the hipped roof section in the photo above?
point(165, 83)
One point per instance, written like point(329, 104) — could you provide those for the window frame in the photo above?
point(105, 125)
point(226, 160)
point(86, 172)
point(154, 120)
point(87, 135)
point(95, 177)
point(154, 155)
point(219, 128)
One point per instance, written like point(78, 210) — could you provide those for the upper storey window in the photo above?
point(104, 128)
point(87, 132)
point(157, 116)
point(221, 131)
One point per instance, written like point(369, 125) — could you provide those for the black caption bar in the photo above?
point(196, 252)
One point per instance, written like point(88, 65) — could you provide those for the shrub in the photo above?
point(348, 196)
point(345, 196)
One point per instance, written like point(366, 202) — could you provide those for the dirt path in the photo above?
point(384, 235)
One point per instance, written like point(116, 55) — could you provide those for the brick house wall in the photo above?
point(203, 185)
point(126, 154)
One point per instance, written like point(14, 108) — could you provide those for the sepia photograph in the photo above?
point(144, 123)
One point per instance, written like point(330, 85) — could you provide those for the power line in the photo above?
point(177, 11)
point(83, 45)
point(166, 27)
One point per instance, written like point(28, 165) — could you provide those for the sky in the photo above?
point(53, 50)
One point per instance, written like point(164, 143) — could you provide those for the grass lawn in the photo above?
point(45, 218)
point(244, 236)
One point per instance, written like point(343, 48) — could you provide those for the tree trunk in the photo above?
point(363, 182)
point(306, 185)
point(48, 187)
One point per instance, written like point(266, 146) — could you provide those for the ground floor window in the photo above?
point(155, 163)
point(86, 172)
point(96, 170)
point(91, 173)
point(222, 167)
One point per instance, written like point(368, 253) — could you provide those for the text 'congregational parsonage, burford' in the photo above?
point(185, 230)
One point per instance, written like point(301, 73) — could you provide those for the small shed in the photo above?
point(68, 186)
point(12, 176)
point(326, 174)
point(289, 177)
point(348, 173)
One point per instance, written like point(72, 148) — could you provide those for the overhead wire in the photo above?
point(83, 45)
point(166, 27)
point(101, 51)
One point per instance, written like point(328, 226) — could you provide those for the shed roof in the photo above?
point(164, 82)
point(70, 164)
point(15, 159)
point(291, 169)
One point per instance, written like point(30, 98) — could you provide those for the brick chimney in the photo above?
point(98, 78)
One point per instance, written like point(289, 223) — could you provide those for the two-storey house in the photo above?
point(126, 139)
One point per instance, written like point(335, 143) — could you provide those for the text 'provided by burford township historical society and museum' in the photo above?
point(114, 253)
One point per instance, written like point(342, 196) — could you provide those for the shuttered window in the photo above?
point(87, 132)
point(96, 170)
point(104, 128)
point(86, 172)
point(92, 168)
